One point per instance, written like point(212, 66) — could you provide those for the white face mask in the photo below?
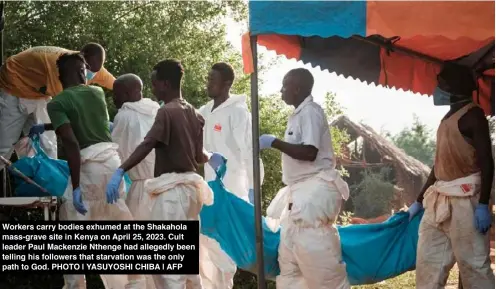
point(90, 74)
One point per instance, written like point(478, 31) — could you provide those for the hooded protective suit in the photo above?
point(131, 124)
point(227, 130)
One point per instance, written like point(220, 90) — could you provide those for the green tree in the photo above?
point(417, 142)
point(372, 196)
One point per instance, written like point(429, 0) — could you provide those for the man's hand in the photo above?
point(36, 130)
point(251, 196)
point(113, 186)
point(77, 201)
point(216, 160)
point(266, 141)
point(414, 209)
point(482, 218)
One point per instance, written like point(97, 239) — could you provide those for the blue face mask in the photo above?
point(90, 74)
point(442, 97)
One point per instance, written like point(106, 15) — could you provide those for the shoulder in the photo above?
point(313, 111)
point(474, 115)
point(94, 88)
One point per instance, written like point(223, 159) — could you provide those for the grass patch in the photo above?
point(407, 281)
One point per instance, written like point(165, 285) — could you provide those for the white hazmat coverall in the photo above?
point(98, 164)
point(19, 115)
point(175, 197)
point(131, 124)
point(227, 130)
point(310, 247)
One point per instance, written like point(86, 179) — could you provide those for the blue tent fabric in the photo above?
point(308, 18)
point(372, 252)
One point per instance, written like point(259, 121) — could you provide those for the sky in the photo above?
point(381, 108)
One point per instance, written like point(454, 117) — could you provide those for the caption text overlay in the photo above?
point(103, 247)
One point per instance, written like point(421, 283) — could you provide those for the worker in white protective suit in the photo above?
point(456, 195)
point(28, 80)
point(131, 124)
point(227, 131)
point(310, 248)
point(79, 117)
point(177, 192)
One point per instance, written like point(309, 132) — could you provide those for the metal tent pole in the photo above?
point(256, 166)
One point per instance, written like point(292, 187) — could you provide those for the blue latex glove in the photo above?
point(111, 126)
point(77, 201)
point(216, 160)
point(251, 196)
point(36, 129)
point(414, 209)
point(113, 186)
point(266, 141)
point(482, 218)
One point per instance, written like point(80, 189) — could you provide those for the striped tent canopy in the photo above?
point(399, 44)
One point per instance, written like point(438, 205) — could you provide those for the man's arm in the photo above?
point(430, 181)
point(242, 134)
point(296, 151)
point(139, 154)
point(71, 150)
point(482, 144)
point(158, 135)
point(312, 123)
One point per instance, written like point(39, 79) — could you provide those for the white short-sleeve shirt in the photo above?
point(308, 126)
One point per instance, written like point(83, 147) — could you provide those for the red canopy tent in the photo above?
point(400, 45)
point(397, 44)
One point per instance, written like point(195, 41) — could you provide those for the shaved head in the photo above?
point(127, 88)
point(297, 85)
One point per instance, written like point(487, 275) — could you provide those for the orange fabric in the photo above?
point(448, 18)
point(407, 73)
point(26, 73)
point(287, 45)
point(485, 92)
point(247, 54)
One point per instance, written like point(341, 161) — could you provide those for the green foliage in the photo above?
point(417, 142)
point(372, 196)
point(274, 116)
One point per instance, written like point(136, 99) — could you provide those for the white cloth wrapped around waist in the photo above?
point(193, 188)
point(98, 164)
point(437, 197)
point(313, 200)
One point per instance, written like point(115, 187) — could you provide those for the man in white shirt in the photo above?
point(310, 249)
point(227, 130)
point(132, 122)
